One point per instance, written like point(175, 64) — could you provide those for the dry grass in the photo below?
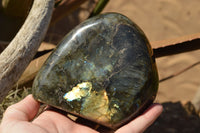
point(13, 97)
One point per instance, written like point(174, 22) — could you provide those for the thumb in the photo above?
point(24, 110)
point(142, 122)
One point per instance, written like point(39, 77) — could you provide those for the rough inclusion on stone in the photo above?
point(103, 70)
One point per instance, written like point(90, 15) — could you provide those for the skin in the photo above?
point(20, 117)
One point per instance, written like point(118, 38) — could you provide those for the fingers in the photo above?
point(25, 110)
point(57, 123)
point(142, 122)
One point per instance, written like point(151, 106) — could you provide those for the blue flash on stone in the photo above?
point(65, 97)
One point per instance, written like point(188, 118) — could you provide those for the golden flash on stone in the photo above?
point(79, 91)
point(96, 104)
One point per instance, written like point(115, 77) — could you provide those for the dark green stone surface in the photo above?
point(103, 70)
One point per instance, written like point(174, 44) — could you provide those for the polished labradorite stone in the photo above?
point(103, 70)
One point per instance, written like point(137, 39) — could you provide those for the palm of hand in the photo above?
point(19, 117)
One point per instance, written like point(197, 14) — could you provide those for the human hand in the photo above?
point(20, 118)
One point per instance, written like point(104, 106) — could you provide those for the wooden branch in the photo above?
point(176, 46)
point(32, 69)
point(15, 58)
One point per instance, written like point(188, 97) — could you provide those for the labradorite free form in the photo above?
point(103, 70)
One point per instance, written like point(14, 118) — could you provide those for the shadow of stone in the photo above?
point(176, 118)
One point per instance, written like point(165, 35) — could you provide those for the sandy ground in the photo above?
point(161, 20)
